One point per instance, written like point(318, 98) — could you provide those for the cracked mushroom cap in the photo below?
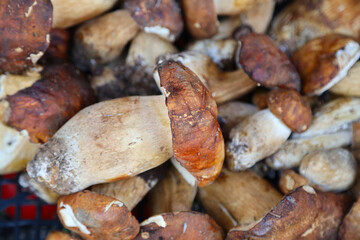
point(198, 142)
point(180, 225)
point(162, 18)
point(324, 61)
point(303, 214)
point(25, 33)
point(264, 62)
point(291, 108)
point(95, 216)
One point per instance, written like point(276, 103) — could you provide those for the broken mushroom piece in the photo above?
point(303, 20)
point(102, 39)
point(38, 189)
point(261, 134)
point(224, 86)
point(263, 61)
point(324, 61)
point(200, 18)
point(350, 227)
point(290, 180)
point(68, 13)
point(33, 107)
point(350, 84)
point(303, 214)
point(89, 142)
point(197, 139)
point(25, 33)
point(238, 198)
point(234, 7)
point(180, 225)
point(331, 170)
point(172, 194)
point(58, 235)
point(95, 216)
point(58, 48)
point(132, 190)
point(162, 18)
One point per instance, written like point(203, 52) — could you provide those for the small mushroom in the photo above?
point(331, 170)
point(224, 86)
point(238, 198)
point(25, 33)
point(89, 142)
point(350, 84)
point(180, 225)
point(350, 227)
point(102, 39)
point(264, 62)
point(38, 189)
point(58, 235)
point(132, 190)
point(290, 180)
point(303, 20)
point(262, 134)
point(172, 194)
point(162, 18)
point(95, 216)
point(305, 213)
point(68, 13)
point(324, 61)
point(200, 18)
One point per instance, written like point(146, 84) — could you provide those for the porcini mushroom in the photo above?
point(58, 235)
point(331, 170)
point(104, 218)
point(162, 18)
point(350, 84)
point(305, 213)
point(91, 137)
point(322, 62)
point(350, 227)
point(180, 225)
point(261, 134)
point(25, 33)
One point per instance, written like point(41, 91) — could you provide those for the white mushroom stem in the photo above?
point(105, 142)
point(255, 138)
point(293, 150)
point(224, 86)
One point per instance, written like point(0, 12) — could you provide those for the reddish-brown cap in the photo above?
point(324, 61)
point(24, 32)
point(291, 108)
point(45, 106)
point(181, 225)
point(198, 142)
point(159, 17)
point(59, 46)
point(200, 18)
point(264, 62)
point(303, 214)
point(96, 216)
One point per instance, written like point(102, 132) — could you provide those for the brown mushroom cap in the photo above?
point(291, 108)
point(324, 61)
point(350, 227)
point(160, 17)
point(264, 62)
point(59, 46)
point(95, 216)
point(58, 235)
point(198, 142)
point(45, 106)
point(24, 29)
point(302, 214)
point(200, 18)
point(181, 225)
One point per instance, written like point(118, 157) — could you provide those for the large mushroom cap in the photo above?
point(324, 61)
point(264, 62)
point(291, 108)
point(197, 139)
point(25, 33)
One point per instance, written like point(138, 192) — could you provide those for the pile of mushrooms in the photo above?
point(146, 119)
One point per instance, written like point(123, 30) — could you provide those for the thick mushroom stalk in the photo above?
point(262, 134)
point(198, 143)
point(223, 86)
